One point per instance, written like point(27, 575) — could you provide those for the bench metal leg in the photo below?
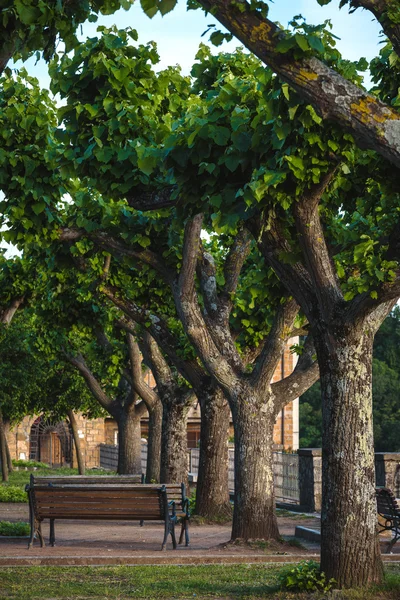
point(172, 532)
point(187, 539)
point(166, 532)
point(32, 534)
point(52, 534)
point(184, 532)
point(40, 536)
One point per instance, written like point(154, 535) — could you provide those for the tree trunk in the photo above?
point(129, 442)
point(254, 510)
point(10, 465)
point(77, 442)
point(349, 543)
point(154, 444)
point(174, 457)
point(3, 450)
point(212, 494)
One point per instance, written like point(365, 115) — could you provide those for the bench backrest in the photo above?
point(387, 505)
point(175, 491)
point(88, 480)
point(105, 501)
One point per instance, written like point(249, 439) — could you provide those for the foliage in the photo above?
point(14, 529)
point(29, 26)
point(306, 576)
point(30, 464)
point(11, 493)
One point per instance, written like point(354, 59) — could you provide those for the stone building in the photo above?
point(37, 438)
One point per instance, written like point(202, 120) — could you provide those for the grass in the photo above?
point(222, 582)
point(14, 489)
point(14, 529)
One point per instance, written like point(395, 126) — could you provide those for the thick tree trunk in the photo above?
point(77, 442)
point(154, 444)
point(254, 510)
point(212, 494)
point(3, 450)
point(174, 457)
point(349, 543)
point(129, 442)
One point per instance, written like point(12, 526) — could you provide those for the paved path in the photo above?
point(113, 543)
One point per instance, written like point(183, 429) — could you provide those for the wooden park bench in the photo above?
point(177, 493)
point(389, 511)
point(99, 498)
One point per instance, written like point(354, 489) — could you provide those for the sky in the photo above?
point(178, 34)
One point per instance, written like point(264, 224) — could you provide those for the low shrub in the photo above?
point(14, 529)
point(305, 577)
point(30, 464)
point(12, 493)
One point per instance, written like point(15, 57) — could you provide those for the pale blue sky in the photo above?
point(178, 34)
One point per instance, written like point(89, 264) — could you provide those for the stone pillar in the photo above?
point(387, 470)
point(310, 478)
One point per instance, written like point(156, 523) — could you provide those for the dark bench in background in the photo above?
point(389, 511)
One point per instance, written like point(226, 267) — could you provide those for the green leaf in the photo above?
point(285, 90)
point(147, 164)
point(38, 207)
point(150, 7)
point(166, 6)
point(301, 41)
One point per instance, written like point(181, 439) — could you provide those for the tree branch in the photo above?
point(238, 253)
point(191, 250)
point(8, 313)
point(149, 395)
point(107, 242)
point(217, 311)
point(189, 312)
point(92, 383)
point(159, 330)
point(313, 244)
point(294, 276)
point(152, 200)
point(381, 11)
point(275, 343)
point(374, 124)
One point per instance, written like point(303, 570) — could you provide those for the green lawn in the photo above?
point(220, 582)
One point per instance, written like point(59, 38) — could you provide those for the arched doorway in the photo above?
point(50, 442)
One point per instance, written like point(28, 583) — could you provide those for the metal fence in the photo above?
point(286, 471)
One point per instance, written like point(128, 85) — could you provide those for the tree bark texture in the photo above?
point(350, 550)
point(254, 511)
point(174, 457)
point(77, 442)
point(3, 450)
point(9, 459)
point(212, 492)
point(154, 444)
point(129, 442)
